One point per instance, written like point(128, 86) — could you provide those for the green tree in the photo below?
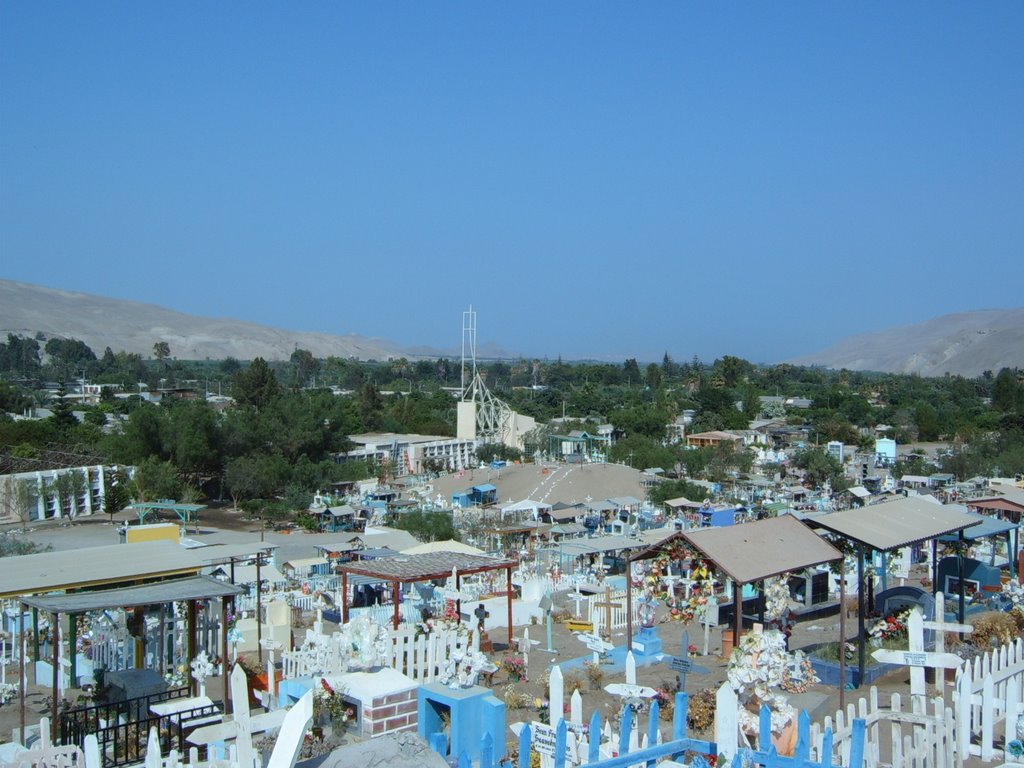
point(115, 496)
point(427, 526)
point(256, 386)
point(156, 479)
point(161, 351)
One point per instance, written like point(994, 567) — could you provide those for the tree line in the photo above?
point(289, 419)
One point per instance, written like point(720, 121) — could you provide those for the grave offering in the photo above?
point(760, 672)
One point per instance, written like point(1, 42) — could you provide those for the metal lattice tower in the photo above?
point(493, 416)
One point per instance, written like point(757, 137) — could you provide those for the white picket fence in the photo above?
point(599, 615)
point(422, 657)
point(989, 698)
point(419, 657)
point(913, 738)
point(385, 614)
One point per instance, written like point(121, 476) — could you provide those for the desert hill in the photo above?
point(966, 344)
point(134, 327)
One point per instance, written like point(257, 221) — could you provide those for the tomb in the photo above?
point(469, 713)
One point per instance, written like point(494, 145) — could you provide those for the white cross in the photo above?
point(915, 656)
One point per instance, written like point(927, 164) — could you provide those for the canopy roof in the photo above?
point(112, 564)
point(193, 588)
point(896, 524)
point(758, 550)
point(989, 526)
point(449, 545)
point(425, 567)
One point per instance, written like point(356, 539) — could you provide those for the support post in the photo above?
point(344, 597)
point(35, 634)
point(935, 567)
point(227, 605)
point(55, 628)
point(737, 622)
point(842, 635)
point(72, 645)
point(22, 686)
point(259, 606)
point(629, 606)
point(192, 635)
point(508, 599)
point(960, 577)
point(396, 595)
point(860, 613)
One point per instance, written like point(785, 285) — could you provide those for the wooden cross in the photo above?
point(608, 606)
point(915, 656)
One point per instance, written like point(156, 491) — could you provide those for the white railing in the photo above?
point(420, 657)
point(989, 698)
point(908, 738)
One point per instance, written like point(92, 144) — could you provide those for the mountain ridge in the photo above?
point(960, 343)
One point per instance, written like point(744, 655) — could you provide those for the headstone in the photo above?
point(915, 656)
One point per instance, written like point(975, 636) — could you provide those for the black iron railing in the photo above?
point(122, 727)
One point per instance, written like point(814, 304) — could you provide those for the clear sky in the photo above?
point(599, 179)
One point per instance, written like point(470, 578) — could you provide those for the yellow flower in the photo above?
point(537, 703)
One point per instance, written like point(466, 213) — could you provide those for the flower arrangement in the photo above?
point(7, 692)
point(515, 666)
point(892, 627)
point(451, 612)
point(175, 678)
point(202, 667)
point(757, 672)
point(798, 677)
point(326, 700)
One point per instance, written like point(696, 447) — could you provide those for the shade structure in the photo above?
point(173, 590)
point(763, 548)
point(449, 545)
point(894, 524)
point(424, 567)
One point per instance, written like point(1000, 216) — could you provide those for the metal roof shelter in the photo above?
point(189, 589)
point(175, 590)
point(748, 552)
point(94, 567)
point(892, 525)
point(425, 567)
point(187, 513)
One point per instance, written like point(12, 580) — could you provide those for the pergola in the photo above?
point(747, 553)
point(187, 513)
point(889, 526)
point(1008, 503)
point(190, 589)
point(408, 569)
point(988, 527)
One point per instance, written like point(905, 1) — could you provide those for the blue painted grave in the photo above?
point(472, 712)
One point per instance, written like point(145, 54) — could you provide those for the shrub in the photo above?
point(994, 629)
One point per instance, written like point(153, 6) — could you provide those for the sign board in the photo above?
point(710, 617)
point(543, 738)
point(596, 644)
point(681, 665)
point(918, 658)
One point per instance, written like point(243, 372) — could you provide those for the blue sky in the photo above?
point(598, 179)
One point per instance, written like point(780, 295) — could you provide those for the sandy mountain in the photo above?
point(134, 327)
point(965, 344)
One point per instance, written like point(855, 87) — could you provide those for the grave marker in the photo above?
point(608, 606)
point(915, 656)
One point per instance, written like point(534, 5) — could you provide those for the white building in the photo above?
point(43, 500)
point(409, 454)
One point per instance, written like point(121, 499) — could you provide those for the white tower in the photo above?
point(481, 416)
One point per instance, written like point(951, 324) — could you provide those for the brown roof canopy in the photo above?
point(761, 549)
point(425, 567)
